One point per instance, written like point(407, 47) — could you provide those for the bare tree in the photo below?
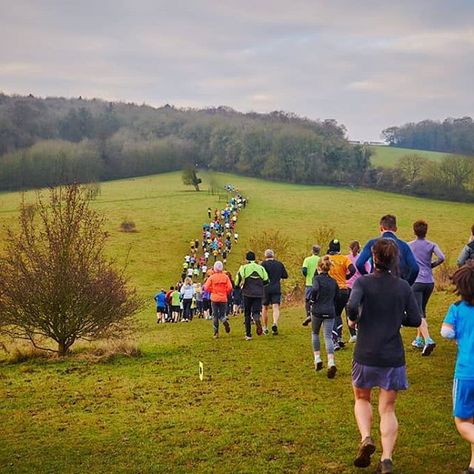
point(56, 283)
point(411, 167)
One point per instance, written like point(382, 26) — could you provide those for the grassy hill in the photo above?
point(261, 407)
point(388, 156)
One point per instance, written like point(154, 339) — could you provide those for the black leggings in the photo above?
point(340, 304)
point(422, 292)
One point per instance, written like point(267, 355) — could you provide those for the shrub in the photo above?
point(128, 226)
point(56, 283)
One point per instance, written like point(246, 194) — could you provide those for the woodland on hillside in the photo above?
point(52, 141)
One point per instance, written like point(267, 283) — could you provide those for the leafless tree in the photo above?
point(56, 284)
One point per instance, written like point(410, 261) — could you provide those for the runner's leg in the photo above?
point(388, 421)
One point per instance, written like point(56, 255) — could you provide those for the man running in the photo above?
point(408, 268)
point(310, 264)
point(252, 277)
point(341, 270)
point(272, 292)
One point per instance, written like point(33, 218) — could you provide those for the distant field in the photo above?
point(261, 408)
point(388, 156)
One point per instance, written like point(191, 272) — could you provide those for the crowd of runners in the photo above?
point(207, 255)
point(380, 288)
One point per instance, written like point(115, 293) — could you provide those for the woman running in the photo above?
point(323, 296)
point(187, 293)
point(341, 270)
point(219, 286)
point(423, 251)
point(380, 304)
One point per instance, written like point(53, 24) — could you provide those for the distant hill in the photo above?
point(388, 156)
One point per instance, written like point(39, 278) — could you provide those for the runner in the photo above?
point(187, 294)
point(323, 295)
point(423, 287)
point(272, 292)
point(160, 299)
point(406, 267)
point(467, 252)
point(380, 304)
point(198, 299)
point(219, 286)
point(459, 326)
point(252, 278)
point(175, 299)
point(353, 255)
point(310, 264)
point(341, 270)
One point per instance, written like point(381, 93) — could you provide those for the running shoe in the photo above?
point(337, 347)
point(248, 338)
point(319, 366)
point(265, 331)
point(353, 339)
point(341, 343)
point(227, 326)
point(306, 321)
point(385, 467)
point(258, 324)
point(332, 371)
point(417, 343)
point(469, 470)
point(366, 449)
point(275, 330)
point(428, 348)
point(216, 335)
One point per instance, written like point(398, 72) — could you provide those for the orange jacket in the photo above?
point(219, 286)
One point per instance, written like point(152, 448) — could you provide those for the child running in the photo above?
point(459, 326)
point(324, 296)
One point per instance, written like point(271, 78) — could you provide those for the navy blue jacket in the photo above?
point(408, 268)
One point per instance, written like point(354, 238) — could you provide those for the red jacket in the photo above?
point(220, 286)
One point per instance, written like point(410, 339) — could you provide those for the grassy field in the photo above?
point(260, 407)
point(388, 156)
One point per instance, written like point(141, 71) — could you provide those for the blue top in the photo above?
point(408, 267)
point(461, 316)
point(160, 299)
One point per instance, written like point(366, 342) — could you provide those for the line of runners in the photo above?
point(188, 298)
point(384, 287)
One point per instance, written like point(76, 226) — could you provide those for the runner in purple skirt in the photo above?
point(379, 305)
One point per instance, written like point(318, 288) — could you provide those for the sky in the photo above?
point(367, 64)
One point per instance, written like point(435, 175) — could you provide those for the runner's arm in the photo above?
point(355, 300)
point(437, 251)
point(364, 257)
point(412, 312)
point(351, 273)
point(463, 256)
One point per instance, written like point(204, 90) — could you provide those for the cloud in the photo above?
point(368, 64)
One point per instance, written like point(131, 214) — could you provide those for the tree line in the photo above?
point(45, 142)
point(52, 141)
point(452, 135)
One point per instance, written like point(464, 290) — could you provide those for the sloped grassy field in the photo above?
point(388, 156)
point(260, 407)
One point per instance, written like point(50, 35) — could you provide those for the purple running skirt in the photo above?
point(388, 378)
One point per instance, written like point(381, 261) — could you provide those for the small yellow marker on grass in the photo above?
point(201, 370)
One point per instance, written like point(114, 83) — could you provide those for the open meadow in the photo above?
point(261, 407)
point(388, 156)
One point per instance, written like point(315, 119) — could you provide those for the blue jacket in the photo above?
point(408, 267)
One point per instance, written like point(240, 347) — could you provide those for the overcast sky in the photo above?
point(367, 64)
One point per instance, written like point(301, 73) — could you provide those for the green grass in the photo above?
point(261, 407)
point(388, 156)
